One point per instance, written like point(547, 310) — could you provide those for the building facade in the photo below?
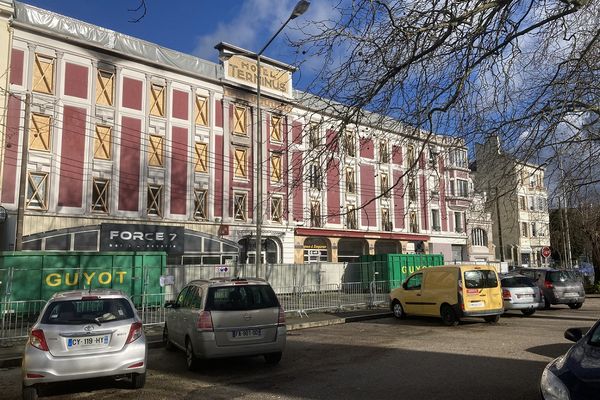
point(130, 146)
point(518, 203)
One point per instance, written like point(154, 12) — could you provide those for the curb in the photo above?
point(155, 342)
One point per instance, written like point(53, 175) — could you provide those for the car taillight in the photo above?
point(506, 294)
point(281, 318)
point(205, 321)
point(135, 331)
point(548, 285)
point(38, 340)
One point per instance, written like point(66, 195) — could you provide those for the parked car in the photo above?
point(451, 292)
point(226, 317)
point(85, 334)
point(575, 375)
point(558, 286)
point(520, 292)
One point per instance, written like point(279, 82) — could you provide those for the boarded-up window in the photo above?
point(385, 185)
point(157, 100)
point(239, 120)
point(239, 163)
point(200, 204)
point(103, 142)
point(350, 181)
point(276, 167)
point(314, 136)
point(350, 144)
point(315, 214)
point(351, 222)
point(386, 224)
point(276, 122)
point(105, 88)
point(156, 152)
point(276, 209)
point(201, 158)
point(410, 156)
point(201, 111)
point(37, 191)
point(155, 201)
point(100, 192)
point(43, 74)
point(414, 226)
point(384, 155)
point(240, 206)
point(39, 132)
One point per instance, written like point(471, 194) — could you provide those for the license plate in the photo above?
point(476, 304)
point(88, 341)
point(571, 294)
point(520, 296)
point(246, 333)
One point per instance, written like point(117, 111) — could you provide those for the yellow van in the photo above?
point(451, 292)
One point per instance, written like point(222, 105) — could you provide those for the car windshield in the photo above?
point(595, 338)
point(94, 310)
point(241, 297)
point(480, 279)
point(517, 281)
point(561, 276)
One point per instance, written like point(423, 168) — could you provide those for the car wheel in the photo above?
point(492, 319)
point(191, 360)
point(30, 393)
point(168, 344)
point(398, 310)
point(575, 306)
point(448, 316)
point(273, 358)
point(138, 380)
point(528, 312)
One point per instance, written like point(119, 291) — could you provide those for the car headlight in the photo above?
point(552, 387)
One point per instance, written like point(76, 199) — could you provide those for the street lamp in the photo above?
point(299, 9)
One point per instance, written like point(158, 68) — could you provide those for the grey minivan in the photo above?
point(557, 285)
point(226, 317)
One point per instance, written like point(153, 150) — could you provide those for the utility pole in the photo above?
point(23, 176)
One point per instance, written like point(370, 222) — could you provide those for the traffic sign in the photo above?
point(546, 252)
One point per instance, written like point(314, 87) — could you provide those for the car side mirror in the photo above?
point(404, 286)
point(573, 334)
point(171, 304)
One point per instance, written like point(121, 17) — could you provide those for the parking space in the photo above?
point(416, 358)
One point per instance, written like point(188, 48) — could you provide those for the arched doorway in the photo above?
point(350, 250)
point(316, 249)
point(387, 247)
point(270, 249)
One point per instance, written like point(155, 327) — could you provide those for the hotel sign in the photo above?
point(244, 70)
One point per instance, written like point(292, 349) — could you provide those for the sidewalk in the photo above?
point(10, 353)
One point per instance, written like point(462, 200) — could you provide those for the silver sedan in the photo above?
point(85, 334)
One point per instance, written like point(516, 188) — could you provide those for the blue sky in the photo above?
point(193, 26)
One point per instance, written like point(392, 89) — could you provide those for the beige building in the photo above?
point(518, 203)
point(480, 246)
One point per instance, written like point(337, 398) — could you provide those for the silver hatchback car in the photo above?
point(85, 334)
point(226, 317)
point(520, 293)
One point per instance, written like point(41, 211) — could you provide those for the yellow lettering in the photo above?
point(404, 270)
point(88, 278)
point(53, 280)
point(411, 269)
point(121, 275)
point(104, 281)
point(73, 282)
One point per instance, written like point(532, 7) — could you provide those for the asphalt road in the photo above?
point(415, 358)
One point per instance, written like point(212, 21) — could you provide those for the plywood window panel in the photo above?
point(410, 156)
point(386, 223)
point(276, 209)
point(103, 142)
point(276, 167)
point(350, 180)
point(351, 222)
point(276, 123)
point(239, 120)
point(240, 163)
point(156, 153)
point(43, 74)
point(412, 190)
point(314, 137)
point(414, 226)
point(384, 155)
point(200, 204)
point(350, 145)
point(240, 207)
point(157, 100)
point(385, 185)
point(39, 132)
point(155, 201)
point(315, 214)
point(100, 195)
point(105, 88)
point(37, 191)
point(201, 111)
point(201, 151)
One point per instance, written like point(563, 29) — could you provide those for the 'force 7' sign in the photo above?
point(123, 237)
